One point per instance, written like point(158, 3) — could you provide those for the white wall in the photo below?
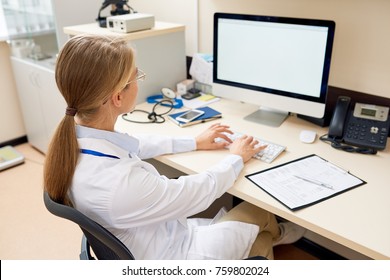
point(361, 51)
point(361, 56)
point(3, 28)
point(74, 12)
point(176, 11)
point(11, 122)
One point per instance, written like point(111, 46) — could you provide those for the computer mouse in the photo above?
point(307, 136)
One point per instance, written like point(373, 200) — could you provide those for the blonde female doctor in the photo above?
point(101, 173)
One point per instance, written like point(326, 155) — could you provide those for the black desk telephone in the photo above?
point(366, 127)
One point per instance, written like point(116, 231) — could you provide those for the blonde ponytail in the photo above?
point(89, 69)
point(61, 161)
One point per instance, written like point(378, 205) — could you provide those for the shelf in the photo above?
point(160, 28)
point(27, 21)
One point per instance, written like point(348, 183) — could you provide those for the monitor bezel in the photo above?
point(276, 19)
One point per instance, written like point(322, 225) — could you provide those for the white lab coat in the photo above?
point(147, 211)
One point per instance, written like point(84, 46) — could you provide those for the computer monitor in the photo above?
point(279, 63)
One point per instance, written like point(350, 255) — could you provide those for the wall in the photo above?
point(11, 122)
point(71, 12)
point(361, 56)
point(176, 11)
point(3, 28)
point(361, 51)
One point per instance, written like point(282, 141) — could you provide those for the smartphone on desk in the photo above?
point(189, 115)
point(191, 94)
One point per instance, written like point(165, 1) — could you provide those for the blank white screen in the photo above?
point(277, 56)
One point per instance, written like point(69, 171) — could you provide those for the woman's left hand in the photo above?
point(206, 140)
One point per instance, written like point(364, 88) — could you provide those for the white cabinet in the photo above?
point(29, 27)
point(27, 18)
point(41, 102)
point(160, 53)
point(30, 31)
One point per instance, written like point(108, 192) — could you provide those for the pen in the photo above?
point(316, 182)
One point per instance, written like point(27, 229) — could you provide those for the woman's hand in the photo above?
point(206, 140)
point(246, 147)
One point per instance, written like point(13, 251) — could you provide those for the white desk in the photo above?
point(358, 219)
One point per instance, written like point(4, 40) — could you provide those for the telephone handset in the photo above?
point(366, 127)
point(336, 127)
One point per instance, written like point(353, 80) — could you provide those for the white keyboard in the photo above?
point(267, 155)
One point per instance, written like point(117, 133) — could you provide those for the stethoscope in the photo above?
point(167, 100)
point(167, 94)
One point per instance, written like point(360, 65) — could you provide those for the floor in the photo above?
point(29, 232)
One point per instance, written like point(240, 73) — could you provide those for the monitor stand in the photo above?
point(267, 116)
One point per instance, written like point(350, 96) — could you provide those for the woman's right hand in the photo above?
point(246, 147)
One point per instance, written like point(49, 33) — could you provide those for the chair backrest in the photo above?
point(103, 243)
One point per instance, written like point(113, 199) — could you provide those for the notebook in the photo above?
point(209, 115)
point(9, 157)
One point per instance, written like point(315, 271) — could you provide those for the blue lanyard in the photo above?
point(95, 153)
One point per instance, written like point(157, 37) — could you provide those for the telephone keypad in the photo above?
point(366, 133)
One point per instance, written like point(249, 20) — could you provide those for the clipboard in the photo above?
point(305, 181)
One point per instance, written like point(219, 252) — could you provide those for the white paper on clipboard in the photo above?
point(304, 181)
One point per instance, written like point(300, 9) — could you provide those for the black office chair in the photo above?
point(104, 244)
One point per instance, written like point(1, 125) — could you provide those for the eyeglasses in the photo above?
point(140, 77)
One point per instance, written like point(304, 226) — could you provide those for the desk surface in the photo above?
point(358, 219)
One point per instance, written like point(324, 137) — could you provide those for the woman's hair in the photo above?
point(89, 70)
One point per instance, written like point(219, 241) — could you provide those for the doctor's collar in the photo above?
point(122, 140)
